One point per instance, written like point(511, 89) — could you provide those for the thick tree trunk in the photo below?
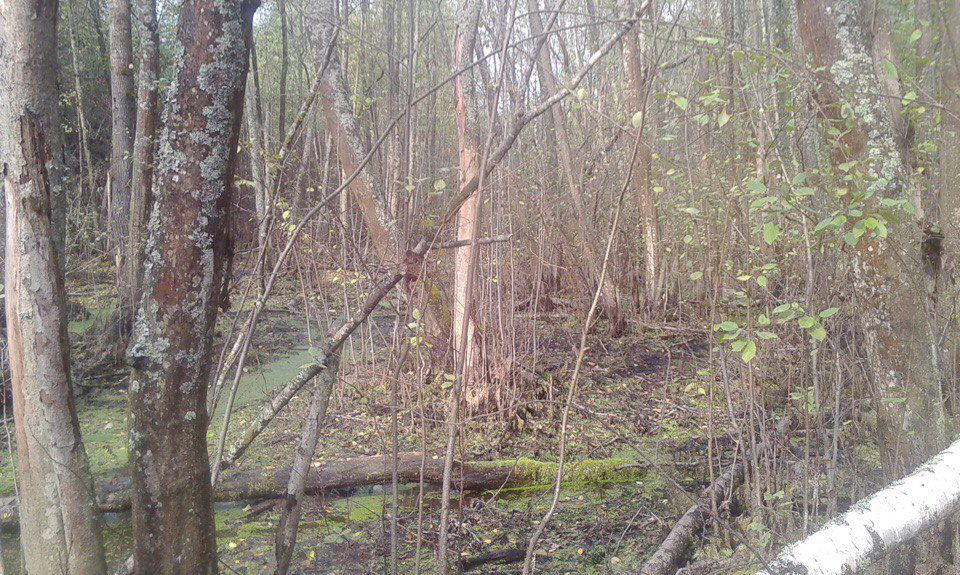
point(60, 523)
point(123, 115)
point(878, 524)
point(949, 198)
point(172, 499)
point(888, 271)
point(144, 145)
point(586, 230)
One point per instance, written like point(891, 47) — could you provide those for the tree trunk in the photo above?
point(173, 525)
point(59, 523)
point(144, 145)
point(465, 344)
point(123, 116)
point(636, 67)
point(258, 160)
point(287, 527)
point(888, 273)
point(586, 231)
point(949, 195)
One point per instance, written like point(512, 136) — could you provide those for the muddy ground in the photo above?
point(645, 397)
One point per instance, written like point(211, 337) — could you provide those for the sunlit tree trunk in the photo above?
point(888, 271)
point(587, 233)
point(59, 522)
point(464, 328)
point(173, 524)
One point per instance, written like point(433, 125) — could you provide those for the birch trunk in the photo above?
point(879, 523)
point(173, 524)
point(59, 520)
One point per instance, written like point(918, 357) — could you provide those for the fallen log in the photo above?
point(678, 545)
point(327, 476)
point(500, 556)
point(877, 524)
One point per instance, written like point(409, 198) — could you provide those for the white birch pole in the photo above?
point(875, 525)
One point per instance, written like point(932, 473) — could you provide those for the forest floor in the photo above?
point(644, 397)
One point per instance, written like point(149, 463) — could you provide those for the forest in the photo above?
point(404, 287)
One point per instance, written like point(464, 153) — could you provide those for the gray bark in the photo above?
point(144, 145)
point(888, 271)
point(59, 520)
point(123, 116)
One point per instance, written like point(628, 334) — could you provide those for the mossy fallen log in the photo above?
point(343, 474)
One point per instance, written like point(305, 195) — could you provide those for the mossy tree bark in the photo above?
point(173, 524)
point(888, 265)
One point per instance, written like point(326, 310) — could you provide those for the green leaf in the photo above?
point(770, 232)
point(722, 118)
point(749, 352)
point(439, 185)
point(763, 320)
point(681, 103)
point(806, 322)
point(818, 333)
point(765, 335)
point(696, 275)
point(637, 120)
point(762, 281)
point(756, 186)
point(781, 308)
point(891, 70)
point(829, 312)
point(726, 326)
point(917, 34)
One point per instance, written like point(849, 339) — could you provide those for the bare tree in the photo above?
point(144, 145)
point(185, 251)
point(59, 521)
point(586, 230)
point(123, 117)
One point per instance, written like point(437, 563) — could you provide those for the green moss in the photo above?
point(532, 473)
